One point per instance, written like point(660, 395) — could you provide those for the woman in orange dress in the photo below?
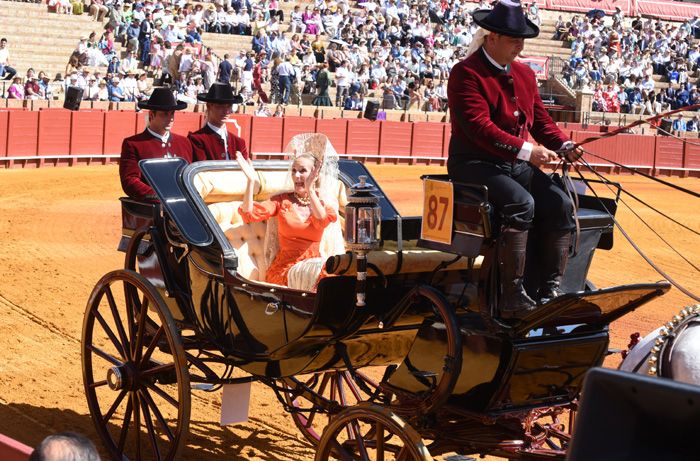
point(302, 215)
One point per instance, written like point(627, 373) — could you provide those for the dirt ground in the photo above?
point(59, 229)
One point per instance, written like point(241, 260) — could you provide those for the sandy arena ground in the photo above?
point(59, 228)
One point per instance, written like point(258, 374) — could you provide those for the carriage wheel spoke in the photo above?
point(341, 450)
point(130, 315)
point(360, 440)
point(113, 360)
point(157, 369)
point(352, 385)
point(137, 423)
point(379, 437)
point(163, 395)
point(152, 346)
point(117, 318)
point(403, 454)
point(310, 418)
point(110, 334)
point(112, 409)
point(324, 383)
point(125, 426)
point(149, 427)
point(157, 414)
point(97, 384)
point(341, 389)
point(138, 343)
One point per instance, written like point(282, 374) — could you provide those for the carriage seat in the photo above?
point(222, 191)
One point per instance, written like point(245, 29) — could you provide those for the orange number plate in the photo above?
point(438, 207)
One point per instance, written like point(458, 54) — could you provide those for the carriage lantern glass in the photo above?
point(363, 218)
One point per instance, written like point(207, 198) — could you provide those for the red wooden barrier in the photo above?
point(4, 117)
point(186, 122)
point(363, 137)
point(428, 139)
point(266, 134)
point(245, 122)
point(296, 125)
point(141, 121)
point(629, 149)
point(446, 140)
point(393, 138)
point(336, 130)
point(669, 153)
point(87, 132)
point(23, 133)
point(118, 125)
point(53, 126)
point(602, 147)
point(12, 450)
point(691, 155)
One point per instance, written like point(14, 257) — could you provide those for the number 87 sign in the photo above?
point(438, 207)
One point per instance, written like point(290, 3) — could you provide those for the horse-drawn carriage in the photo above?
point(424, 367)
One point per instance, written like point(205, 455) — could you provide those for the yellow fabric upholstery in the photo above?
point(222, 186)
point(223, 191)
point(387, 262)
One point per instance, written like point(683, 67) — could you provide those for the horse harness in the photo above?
point(659, 360)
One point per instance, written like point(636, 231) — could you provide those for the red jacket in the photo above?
point(145, 145)
point(492, 111)
point(208, 145)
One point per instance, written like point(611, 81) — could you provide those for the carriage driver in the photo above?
point(213, 141)
point(156, 141)
point(494, 103)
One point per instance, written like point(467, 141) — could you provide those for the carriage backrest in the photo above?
point(222, 192)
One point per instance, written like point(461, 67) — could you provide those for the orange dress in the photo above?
point(298, 240)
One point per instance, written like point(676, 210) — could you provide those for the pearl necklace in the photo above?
point(305, 201)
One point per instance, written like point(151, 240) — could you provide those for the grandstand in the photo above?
point(40, 39)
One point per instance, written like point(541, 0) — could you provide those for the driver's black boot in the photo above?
point(554, 254)
point(514, 303)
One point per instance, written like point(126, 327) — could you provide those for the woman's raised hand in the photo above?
point(247, 167)
point(310, 183)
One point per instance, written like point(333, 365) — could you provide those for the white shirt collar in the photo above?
point(163, 138)
point(492, 61)
point(220, 131)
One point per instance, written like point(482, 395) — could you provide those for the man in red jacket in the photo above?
point(213, 141)
point(155, 142)
point(494, 103)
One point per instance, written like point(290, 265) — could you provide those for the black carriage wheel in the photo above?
point(451, 366)
point(316, 398)
point(370, 432)
point(134, 370)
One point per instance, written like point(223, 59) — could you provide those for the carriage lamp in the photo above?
point(363, 219)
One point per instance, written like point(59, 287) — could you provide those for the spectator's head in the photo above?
point(3, 42)
point(65, 446)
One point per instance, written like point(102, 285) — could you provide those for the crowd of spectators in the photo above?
point(399, 51)
point(622, 60)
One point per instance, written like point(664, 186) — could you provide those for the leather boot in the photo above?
point(514, 303)
point(554, 254)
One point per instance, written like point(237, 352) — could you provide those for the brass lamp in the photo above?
point(363, 220)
